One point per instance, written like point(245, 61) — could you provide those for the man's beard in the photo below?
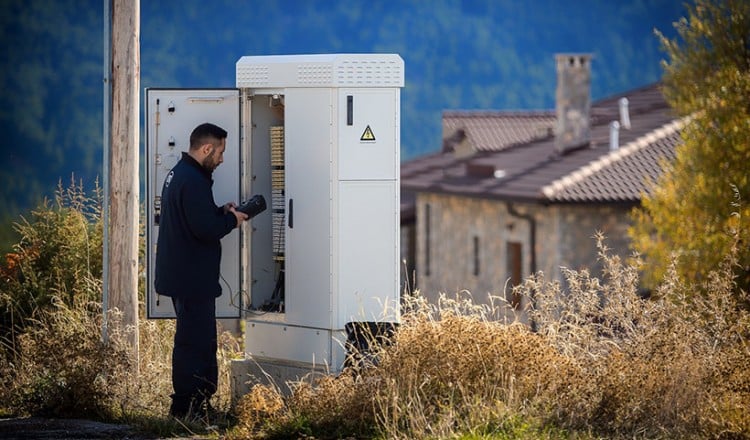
point(210, 164)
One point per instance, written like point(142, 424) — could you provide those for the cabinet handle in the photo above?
point(291, 213)
point(349, 110)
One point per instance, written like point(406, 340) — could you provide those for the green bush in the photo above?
point(59, 255)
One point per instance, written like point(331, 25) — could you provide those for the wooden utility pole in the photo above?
point(125, 71)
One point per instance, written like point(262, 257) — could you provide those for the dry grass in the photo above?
point(53, 360)
point(604, 362)
point(61, 368)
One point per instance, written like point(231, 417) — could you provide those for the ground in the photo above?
point(27, 428)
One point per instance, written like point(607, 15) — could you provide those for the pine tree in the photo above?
point(700, 207)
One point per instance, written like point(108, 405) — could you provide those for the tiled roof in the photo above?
point(496, 130)
point(524, 165)
point(623, 174)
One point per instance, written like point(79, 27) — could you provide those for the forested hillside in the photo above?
point(458, 55)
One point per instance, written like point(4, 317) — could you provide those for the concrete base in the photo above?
point(274, 372)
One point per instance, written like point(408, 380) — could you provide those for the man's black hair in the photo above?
point(204, 133)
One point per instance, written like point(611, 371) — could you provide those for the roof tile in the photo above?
point(519, 147)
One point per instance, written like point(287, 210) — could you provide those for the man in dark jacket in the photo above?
point(188, 255)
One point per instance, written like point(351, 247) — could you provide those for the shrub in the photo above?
point(59, 256)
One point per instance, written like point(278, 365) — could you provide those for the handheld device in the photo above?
point(254, 206)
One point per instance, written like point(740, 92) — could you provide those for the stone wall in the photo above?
point(564, 237)
point(578, 227)
point(453, 266)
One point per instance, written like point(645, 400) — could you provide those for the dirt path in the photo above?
point(67, 429)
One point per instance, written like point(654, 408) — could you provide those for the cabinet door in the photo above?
point(368, 134)
point(307, 156)
point(368, 250)
point(171, 115)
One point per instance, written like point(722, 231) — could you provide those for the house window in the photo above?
point(408, 257)
point(411, 255)
point(427, 239)
point(515, 267)
point(476, 255)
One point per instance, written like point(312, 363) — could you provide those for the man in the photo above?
point(188, 255)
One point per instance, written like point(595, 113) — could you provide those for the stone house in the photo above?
point(513, 193)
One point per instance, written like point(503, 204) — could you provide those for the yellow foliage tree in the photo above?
point(701, 204)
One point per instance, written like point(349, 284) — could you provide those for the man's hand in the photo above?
point(228, 206)
point(240, 216)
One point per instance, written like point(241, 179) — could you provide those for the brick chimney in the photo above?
point(573, 101)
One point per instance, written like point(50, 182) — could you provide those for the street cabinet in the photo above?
point(318, 136)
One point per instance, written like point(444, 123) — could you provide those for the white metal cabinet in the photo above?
point(337, 214)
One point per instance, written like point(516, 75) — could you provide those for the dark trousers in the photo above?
point(194, 367)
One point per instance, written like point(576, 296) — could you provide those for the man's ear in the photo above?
point(207, 149)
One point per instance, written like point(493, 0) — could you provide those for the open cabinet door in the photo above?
point(171, 115)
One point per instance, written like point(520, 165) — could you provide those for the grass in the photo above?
point(604, 362)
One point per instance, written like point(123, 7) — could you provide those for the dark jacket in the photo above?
point(188, 250)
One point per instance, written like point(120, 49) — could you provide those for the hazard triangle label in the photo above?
point(368, 135)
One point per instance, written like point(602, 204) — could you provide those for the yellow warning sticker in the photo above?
point(368, 135)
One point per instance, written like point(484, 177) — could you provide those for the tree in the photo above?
point(700, 207)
